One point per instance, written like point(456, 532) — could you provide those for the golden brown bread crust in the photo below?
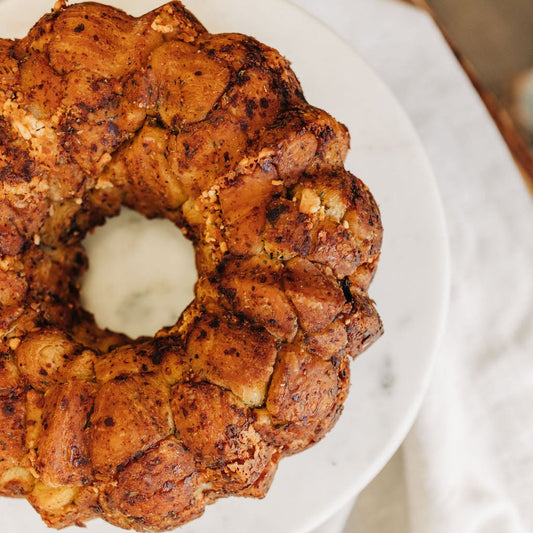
point(97, 110)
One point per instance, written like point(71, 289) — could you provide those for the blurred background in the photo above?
point(493, 39)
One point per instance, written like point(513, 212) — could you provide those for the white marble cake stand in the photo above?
point(388, 381)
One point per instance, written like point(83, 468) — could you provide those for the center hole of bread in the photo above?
point(141, 274)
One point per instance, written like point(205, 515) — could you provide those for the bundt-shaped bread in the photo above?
point(97, 110)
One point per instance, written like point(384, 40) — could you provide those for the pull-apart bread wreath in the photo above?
point(99, 109)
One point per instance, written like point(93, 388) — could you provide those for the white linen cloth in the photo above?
point(467, 464)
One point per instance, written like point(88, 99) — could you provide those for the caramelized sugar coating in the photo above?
point(100, 109)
